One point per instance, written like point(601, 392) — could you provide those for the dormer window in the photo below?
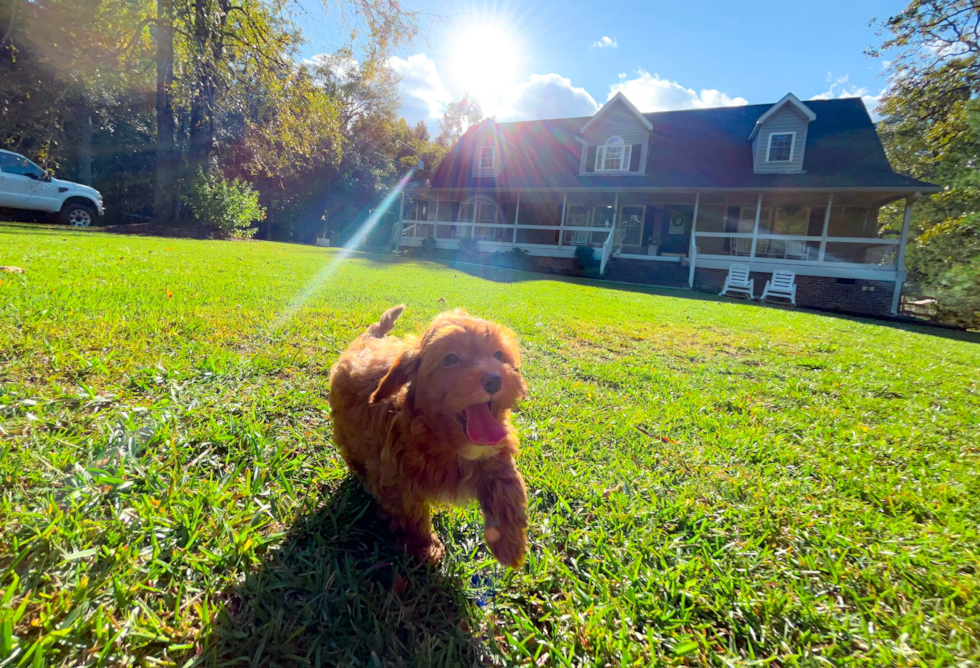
point(486, 157)
point(613, 156)
point(781, 145)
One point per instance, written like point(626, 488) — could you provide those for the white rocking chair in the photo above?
point(738, 281)
point(783, 284)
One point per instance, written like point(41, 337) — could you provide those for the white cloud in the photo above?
point(340, 66)
point(423, 93)
point(842, 87)
point(604, 43)
point(549, 96)
point(648, 92)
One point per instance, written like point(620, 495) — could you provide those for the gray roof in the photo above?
point(700, 148)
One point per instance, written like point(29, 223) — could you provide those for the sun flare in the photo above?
point(485, 59)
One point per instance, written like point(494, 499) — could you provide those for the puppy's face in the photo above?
point(467, 372)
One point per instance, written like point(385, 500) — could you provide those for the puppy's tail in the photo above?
point(386, 322)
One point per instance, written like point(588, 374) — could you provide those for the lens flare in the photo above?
point(333, 265)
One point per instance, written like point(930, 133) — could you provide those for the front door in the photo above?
point(675, 234)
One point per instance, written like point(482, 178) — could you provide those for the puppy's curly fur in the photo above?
point(422, 420)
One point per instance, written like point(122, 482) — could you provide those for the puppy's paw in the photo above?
point(508, 545)
point(426, 550)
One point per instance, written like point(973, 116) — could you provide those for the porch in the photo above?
point(832, 235)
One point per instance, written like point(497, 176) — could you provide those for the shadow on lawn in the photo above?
point(339, 593)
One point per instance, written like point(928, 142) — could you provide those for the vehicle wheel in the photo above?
point(77, 215)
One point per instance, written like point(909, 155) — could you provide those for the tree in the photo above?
point(931, 130)
point(459, 116)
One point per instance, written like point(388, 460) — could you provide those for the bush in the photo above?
point(468, 246)
point(228, 205)
point(945, 263)
point(518, 258)
point(586, 260)
point(428, 247)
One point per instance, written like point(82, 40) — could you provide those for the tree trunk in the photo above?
point(85, 149)
point(209, 23)
point(163, 200)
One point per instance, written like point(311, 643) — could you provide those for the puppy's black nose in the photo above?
point(491, 382)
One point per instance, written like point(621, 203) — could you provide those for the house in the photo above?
point(673, 198)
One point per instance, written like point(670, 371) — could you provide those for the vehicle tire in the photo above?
point(77, 215)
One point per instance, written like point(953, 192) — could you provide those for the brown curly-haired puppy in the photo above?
point(423, 420)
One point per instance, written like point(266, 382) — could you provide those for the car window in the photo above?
point(11, 163)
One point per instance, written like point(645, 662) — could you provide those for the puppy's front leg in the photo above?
point(412, 519)
point(503, 498)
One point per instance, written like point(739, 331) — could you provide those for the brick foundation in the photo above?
point(647, 272)
point(857, 296)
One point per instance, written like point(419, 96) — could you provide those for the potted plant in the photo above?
point(653, 246)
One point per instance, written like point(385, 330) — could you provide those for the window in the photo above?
point(486, 157)
point(781, 147)
point(488, 212)
point(631, 219)
point(11, 163)
point(792, 220)
point(613, 156)
point(746, 219)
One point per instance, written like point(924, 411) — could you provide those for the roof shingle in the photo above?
point(701, 148)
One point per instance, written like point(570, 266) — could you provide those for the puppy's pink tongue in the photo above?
point(482, 427)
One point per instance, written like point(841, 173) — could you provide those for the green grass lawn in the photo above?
point(711, 482)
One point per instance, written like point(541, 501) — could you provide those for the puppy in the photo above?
point(423, 420)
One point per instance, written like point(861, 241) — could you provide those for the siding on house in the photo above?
point(617, 121)
point(787, 119)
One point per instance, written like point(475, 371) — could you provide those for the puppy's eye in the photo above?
point(450, 359)
point(499, 356)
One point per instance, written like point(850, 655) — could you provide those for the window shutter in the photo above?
point(590, 159)
point(635, 157)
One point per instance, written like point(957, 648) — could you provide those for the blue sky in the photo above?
point(547, 58)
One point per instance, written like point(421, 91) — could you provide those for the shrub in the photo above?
point(229, 205)
point(518, 258)
point(468, 246)
point(428, 247)
point(585, 259)
point(945, 262)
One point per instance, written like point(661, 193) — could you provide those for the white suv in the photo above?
point(25, 186)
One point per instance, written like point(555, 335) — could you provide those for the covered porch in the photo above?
point(812, 233)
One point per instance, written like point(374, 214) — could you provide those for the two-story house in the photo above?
point(673, 198)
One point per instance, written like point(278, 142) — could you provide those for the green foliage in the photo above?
point(515, 258)
point(946, 263)
point(468, 245)
point(459, 116)
point(585, 259)
point(427, 247)
point(711, 483)
point(229, 205)
point(931, 130)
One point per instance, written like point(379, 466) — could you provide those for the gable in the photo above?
point(617, 119)
point(785, 121)
point(701, 148)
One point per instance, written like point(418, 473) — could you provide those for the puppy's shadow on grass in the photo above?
point(339, 592)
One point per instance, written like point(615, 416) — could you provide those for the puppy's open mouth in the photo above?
point(479, 424)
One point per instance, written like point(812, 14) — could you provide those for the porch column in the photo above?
point(435, 219)
point(517, 216)
point(692, 252)
point(755, 228)
point(826, 229)
point(900, 260)
point(561, 225)
point(401, 219)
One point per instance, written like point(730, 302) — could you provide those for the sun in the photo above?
point(485, 57)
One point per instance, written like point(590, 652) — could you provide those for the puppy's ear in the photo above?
point(401, 372)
